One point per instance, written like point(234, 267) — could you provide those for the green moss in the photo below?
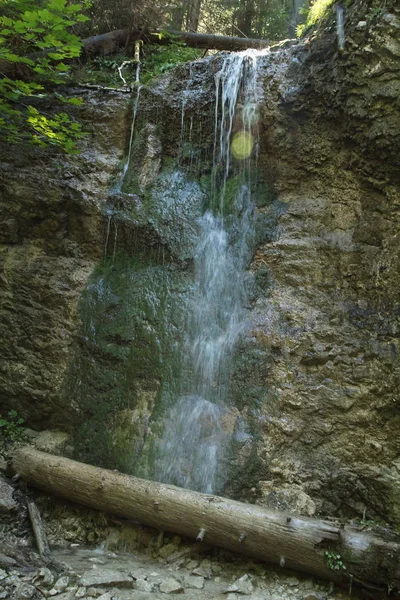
point(131, 312)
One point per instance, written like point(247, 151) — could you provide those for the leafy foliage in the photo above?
point(317, 13)
point(334, 561)
point(36, 35)
point(11, 427)
point(155, 61)
point(159, 59)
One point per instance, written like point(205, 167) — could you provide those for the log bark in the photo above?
point(38, 530)
point(293, 542)
point(108, 43)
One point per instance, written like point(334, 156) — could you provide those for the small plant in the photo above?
point(375, 13)
point(159, 59)
point(334, 561)
point(11, 427)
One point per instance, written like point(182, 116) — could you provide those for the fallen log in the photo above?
point(108, 43)
point(322, 548)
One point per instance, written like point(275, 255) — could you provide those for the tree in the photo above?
point(245, 16)
point(36, 37)
point(263, 19)
point(193, 15)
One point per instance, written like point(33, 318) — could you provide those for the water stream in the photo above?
point(192, 448)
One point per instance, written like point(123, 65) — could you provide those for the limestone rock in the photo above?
point(291, 581)
point(167, 550)
point(204, 569)
point(50, 441)
point(6, 561)
point(24, 591)
point(318, 363)
point(195, 582)
point(61, 584)
point(286, 497)
point(143, 585)
point(45, 577)
point(97, 561)
point(67, 595)
point(7, 502)
point(106, 578)
point(171, 586)
point(243, 585)
point(93, 592)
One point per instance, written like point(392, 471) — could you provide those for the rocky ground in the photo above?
point(95, 573)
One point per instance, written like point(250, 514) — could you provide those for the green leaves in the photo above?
point(11, 429)
point(38, 36)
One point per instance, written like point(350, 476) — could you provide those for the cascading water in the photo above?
point(192, 447)
point(121, 180)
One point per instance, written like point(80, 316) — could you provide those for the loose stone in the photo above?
point(144, 586)
point(97, 561)
point(242, 585)
point(7, 502)
point(45, 576)
point(61, 584)
point(195, 582)
point(7, 561)
point(25, 591)
point(292, 581)
point(171, 586)
point(106, 579)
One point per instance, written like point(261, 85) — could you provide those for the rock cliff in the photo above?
point(94, 282)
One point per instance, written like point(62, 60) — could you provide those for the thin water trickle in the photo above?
point(125, 168)
point(340, 26)
point(194, 441)
point(107, 234)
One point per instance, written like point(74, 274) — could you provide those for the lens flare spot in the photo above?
point(242, 145)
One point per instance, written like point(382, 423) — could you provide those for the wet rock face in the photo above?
point(317, 372)
point(51, 237)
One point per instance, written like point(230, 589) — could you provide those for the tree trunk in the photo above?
point(245, 16)
point(296, 16)
point(177, 15)
point(193, 15)
point(318, 547)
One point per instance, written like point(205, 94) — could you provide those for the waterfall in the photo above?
point(195, 438)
